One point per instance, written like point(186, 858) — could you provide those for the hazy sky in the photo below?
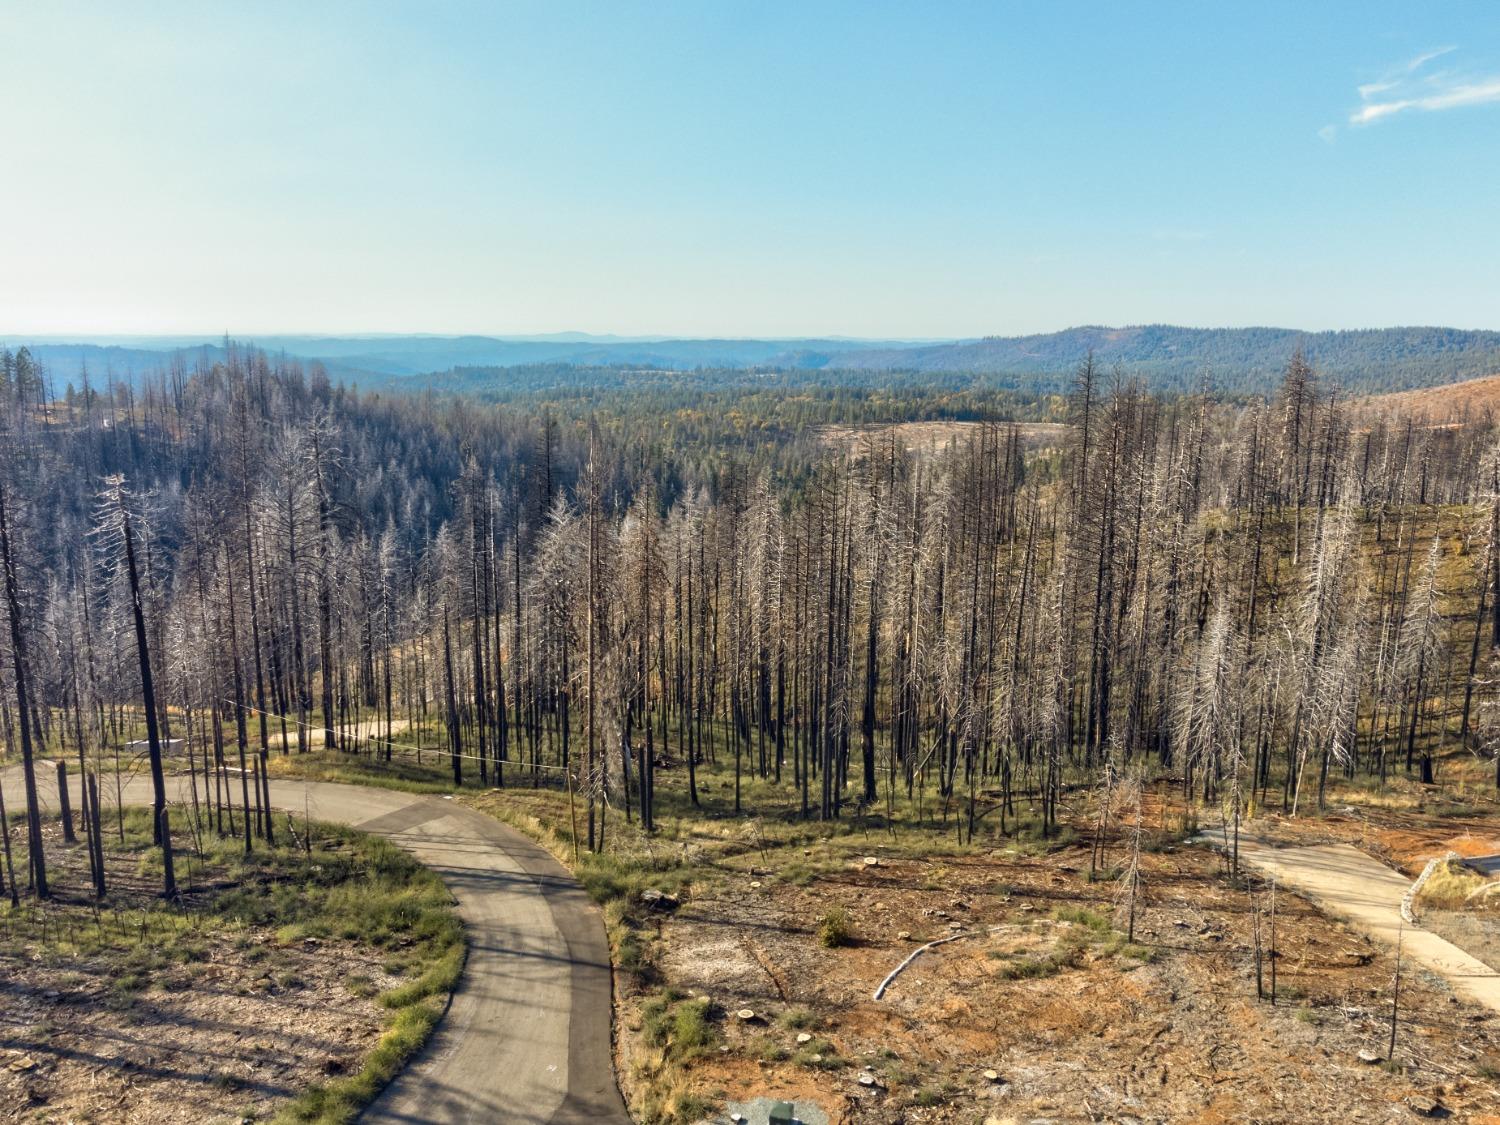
point(923, 169)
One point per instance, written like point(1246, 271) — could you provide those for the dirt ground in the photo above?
point(1072, 1022)
point(225, 1029)
point(224, 1039)
point(1477, 934)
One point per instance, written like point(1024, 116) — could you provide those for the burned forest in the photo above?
point(696, 642)
point(1256, 598)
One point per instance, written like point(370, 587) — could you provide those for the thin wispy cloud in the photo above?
point(1393, 78)
point(1415, 87)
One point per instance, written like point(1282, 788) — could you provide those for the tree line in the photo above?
point(1253, 597)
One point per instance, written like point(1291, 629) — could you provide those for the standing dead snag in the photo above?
point(169, 874)
point(1131, 882)
point(1390, 1052)
point(10, 866)
point(450, 699)
point(592, 679)
point(96, 836)
point(65, 807)
point(1422, 652)
point(1106, 797)
point(243, 442)
point(1260, 980)
point(1273, 943)
point(35, 856)
point(241, 737)
point(118, 524)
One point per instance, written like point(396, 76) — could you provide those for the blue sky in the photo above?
point(920, 169)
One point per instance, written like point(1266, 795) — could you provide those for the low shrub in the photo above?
point(835, 928)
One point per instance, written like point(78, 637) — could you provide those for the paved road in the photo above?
point(527, 1036)
point(369, 729)
point(1348, 884)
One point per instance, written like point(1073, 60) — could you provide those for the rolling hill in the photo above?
point(1168, 358)
point(1452, 402)
point(366, 359)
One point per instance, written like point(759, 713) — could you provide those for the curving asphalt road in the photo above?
point(526, 1038)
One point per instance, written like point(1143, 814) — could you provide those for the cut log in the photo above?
point(910, 957)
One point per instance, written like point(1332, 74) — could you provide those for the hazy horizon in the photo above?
point(191, 338)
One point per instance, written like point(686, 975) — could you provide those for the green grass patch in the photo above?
point(820, 1054)
point(1068, 953)
point(681, 1028)
point(796, 1019)
point(341, 1100)
point(397, 903)
point(835, 928)
point(1082, 916)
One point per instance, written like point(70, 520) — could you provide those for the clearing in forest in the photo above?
point(1450, 402)
point(928, 438)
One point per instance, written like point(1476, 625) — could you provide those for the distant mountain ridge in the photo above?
point(1171, 357)
point(377, 358)
point(1165, 356)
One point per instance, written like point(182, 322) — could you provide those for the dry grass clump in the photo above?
point(1452, 886)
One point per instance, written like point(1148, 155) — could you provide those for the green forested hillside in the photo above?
point(1237, 359)
point(1233, 360)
